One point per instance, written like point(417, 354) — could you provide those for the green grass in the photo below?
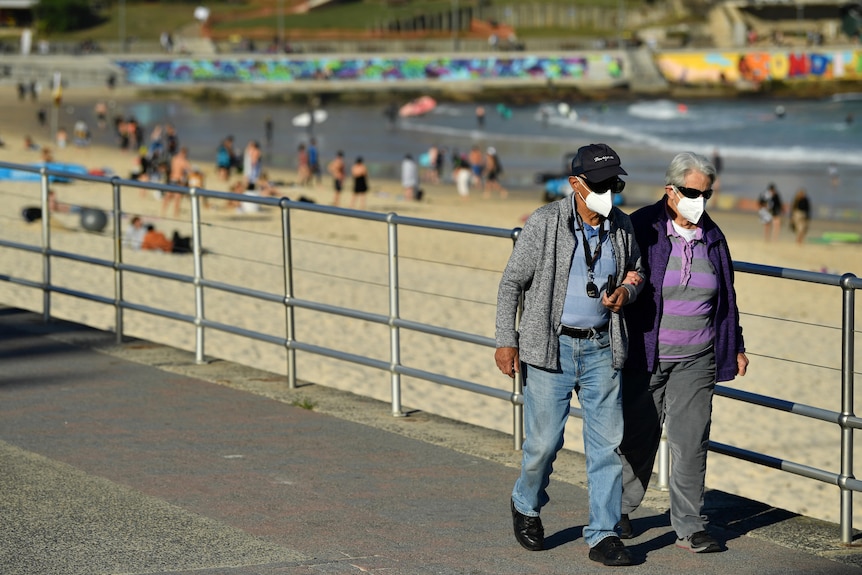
point(147, 20)
point(144, 21)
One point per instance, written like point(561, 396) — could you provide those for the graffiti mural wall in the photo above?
point(593, 66)
point(759, 66)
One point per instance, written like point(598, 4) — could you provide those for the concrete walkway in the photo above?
point(132, 459)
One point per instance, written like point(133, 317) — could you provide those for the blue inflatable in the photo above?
point(21, 176)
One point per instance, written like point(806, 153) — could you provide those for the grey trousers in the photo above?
point(679, 394)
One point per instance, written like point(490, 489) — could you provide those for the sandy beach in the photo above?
point(448, 279)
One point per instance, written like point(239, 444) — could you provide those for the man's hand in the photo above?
point(616, 300)
point(507, 360)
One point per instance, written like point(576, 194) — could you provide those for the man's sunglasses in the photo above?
point(614, 185)
point(692, 193)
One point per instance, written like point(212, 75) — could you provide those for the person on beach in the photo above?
point(571, 266)
point(770, 212)
point(154, 240)
point(225, 158)
point(800, 215)
point(252, 164)
point(337, 170)
point(462, 176)
point(493, 171)
point(410, 177)
point(135, 232)
point(303, 167)
point(314, 161)
point(684, 336)
point(360, 184)
point(181, 168)
point(477, 166)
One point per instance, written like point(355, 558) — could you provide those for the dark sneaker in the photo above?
point(700, 542)
point(611, 551)
point(624, 527)
point(528, 530)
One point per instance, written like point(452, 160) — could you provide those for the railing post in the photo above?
point(197, 252)
point(287, 255)
point(847, 366)
point(394, 334)
point(118, 259)
point(518, 382)
point(46, 246)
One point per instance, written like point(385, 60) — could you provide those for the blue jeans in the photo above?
point(586, 368)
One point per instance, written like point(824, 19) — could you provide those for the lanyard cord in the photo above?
point(590, 261)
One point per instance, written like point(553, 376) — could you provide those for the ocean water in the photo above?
point(790, 143)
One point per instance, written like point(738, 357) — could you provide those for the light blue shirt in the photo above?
point(580, 310)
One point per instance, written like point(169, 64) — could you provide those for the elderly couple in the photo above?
point(637, 315)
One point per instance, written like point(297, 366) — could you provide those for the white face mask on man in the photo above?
point(690, 208)
point(599, 203)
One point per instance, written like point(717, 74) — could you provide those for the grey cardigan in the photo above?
point(539, 269)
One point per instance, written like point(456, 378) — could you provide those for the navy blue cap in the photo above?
point(597, 162)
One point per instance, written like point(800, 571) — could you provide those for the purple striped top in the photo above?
point(688, 292)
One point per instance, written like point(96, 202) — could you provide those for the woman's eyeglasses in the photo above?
point(614, 185)
point(692, 193)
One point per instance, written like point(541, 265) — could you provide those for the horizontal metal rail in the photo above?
point(845, 419)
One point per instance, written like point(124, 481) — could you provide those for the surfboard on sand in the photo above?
point(303, 120)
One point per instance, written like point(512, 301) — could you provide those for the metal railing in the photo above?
point(845, 419)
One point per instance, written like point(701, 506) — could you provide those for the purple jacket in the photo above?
point(642, 316)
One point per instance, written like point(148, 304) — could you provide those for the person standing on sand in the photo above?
point(770, 212)
point(477, 166)
point(409, 177)
point(493, 171)
point(181, 168)
point(303, 167)
point(252, 164)
point(462, 176)
point(684, 336)
point(571, 265)
point(800, 215)
point(337, 170)
point(360, 184)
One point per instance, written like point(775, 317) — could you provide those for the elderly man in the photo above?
point(569, 264)
point(684, 336)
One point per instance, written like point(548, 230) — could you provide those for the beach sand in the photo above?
point(447, 279)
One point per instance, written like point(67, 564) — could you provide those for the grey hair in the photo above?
point(685, 163)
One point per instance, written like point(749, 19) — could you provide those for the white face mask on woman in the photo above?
point(690, 208)
point(599, 203)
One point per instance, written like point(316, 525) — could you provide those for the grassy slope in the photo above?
point(147, 20)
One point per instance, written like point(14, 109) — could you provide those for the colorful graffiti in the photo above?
point(593, 66)
point(760, 66)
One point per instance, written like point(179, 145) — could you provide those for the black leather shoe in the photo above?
point(528, 530)
point(624, 527)
point(611, 551)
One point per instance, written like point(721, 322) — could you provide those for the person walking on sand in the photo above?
point(571, 266)
point(360, 184)
point(684, 336)
point(493, 171)
point(337, 170)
